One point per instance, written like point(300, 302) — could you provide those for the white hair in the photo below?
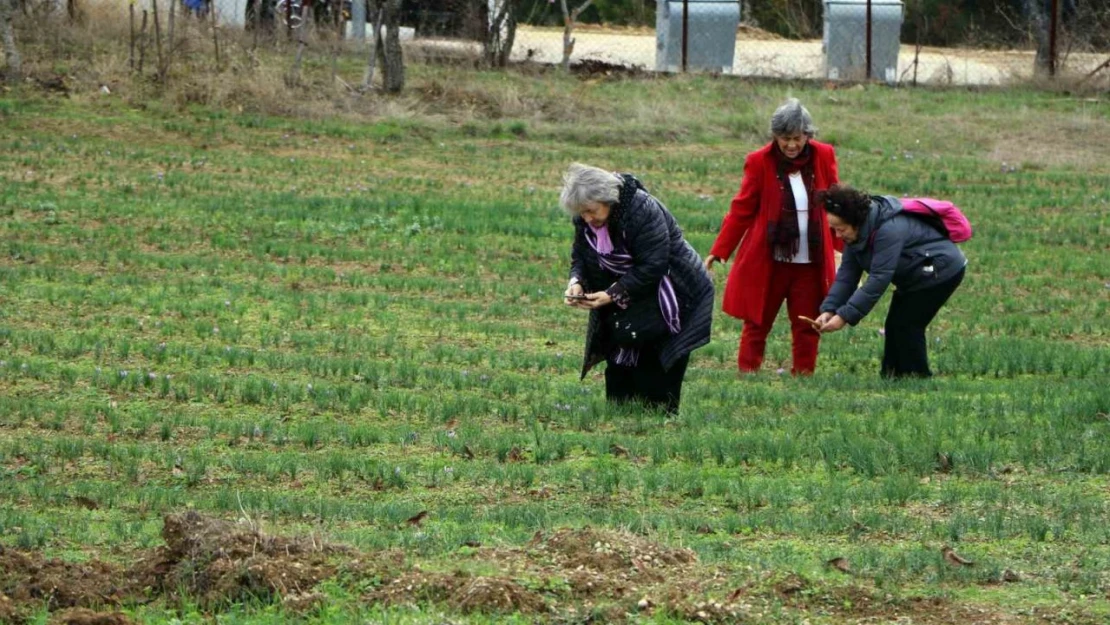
point(792, 118)
point(583, 184)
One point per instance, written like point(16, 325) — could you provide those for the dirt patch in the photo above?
point(462, 591)
point(1036, 146)
point(561, 575)
point(602, 565)
point(596, 68)
point(217, 562)
point(609, 552)
point(861, 601)
point(418, 587)
point(569, 566)
point(85, 616)
point(8, 611)
point(29, 579)
point(213, 561)
point(497, 594)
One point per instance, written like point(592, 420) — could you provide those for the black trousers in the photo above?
point(647, 382)
point(905, 351)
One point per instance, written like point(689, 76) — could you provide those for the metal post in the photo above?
point(685, 32)
point(1053, 24)
point(869, 39)
point(358, 18)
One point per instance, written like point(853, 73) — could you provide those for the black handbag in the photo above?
point(642, 323)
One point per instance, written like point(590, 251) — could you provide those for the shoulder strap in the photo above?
point(879, 224)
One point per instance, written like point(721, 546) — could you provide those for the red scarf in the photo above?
point(782, 231)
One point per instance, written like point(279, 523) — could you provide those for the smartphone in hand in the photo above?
point(576, 297)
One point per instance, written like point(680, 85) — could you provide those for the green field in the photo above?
point(299, 334)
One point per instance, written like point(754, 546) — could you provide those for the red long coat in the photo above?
point(760, 198)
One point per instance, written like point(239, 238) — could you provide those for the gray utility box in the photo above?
point(711, 28)
point(845, 39)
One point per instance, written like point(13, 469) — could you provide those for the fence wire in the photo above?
point(893, 41)
point(724, 36)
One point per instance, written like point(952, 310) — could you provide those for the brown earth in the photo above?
point(560, 575)
point(85, 616)
point(28, 579)
point(214, 561)
point(220, 562)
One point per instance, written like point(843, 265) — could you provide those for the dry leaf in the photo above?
point(954, 558)
point(944, 462)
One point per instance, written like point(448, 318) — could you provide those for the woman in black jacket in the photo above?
point(649, 296)
point(893, 248)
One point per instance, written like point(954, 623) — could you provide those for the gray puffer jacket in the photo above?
point(891, 247)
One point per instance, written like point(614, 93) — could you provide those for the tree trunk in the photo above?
point(1042, 22)
point(158, 38)
point(393, 65)
point(169, 40)
point(7, 34)
point(570, 18)
point(500, 32)
point(375, 44)
point(1038, 23)
point(507, 43)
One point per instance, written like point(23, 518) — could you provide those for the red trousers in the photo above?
point(800, 286)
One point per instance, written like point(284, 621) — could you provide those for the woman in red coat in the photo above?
point(786, 247)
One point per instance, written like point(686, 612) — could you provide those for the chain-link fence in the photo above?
point(895, 41)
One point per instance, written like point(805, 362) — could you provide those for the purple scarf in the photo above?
point(620, 262)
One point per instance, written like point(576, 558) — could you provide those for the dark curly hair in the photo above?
point(850, 205)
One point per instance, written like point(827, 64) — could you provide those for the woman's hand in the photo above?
point(709, 260)
point(574, 290)
point(594, 301)
point(830, 322)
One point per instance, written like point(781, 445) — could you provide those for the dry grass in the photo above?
point(252, 75)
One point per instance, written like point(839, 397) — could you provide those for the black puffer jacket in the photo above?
point(647, 230)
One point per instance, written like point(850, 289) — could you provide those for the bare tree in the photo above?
point(1040, 17)
point(375, 43)
point(393, 63)
point(7, 35)
point(570, 18)
point(500, 31)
